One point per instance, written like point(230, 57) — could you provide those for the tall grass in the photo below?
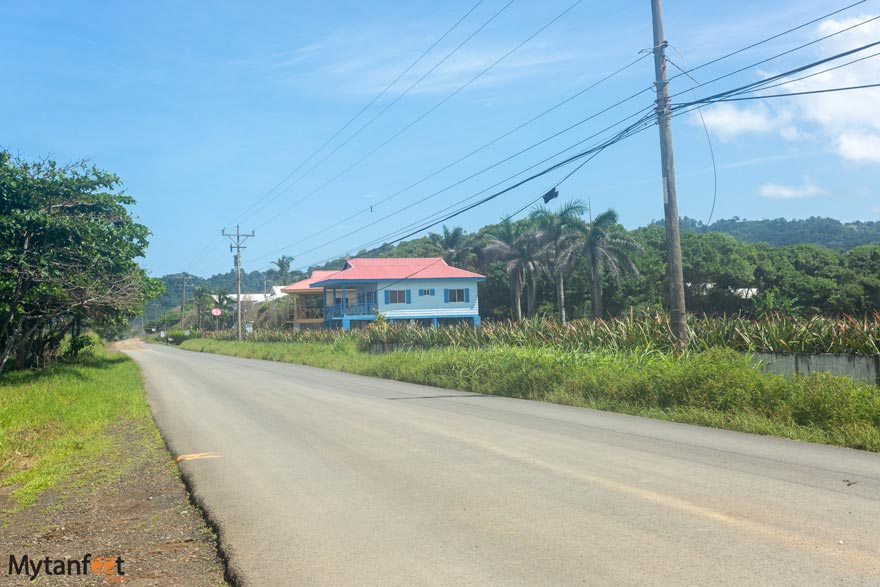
point(633, 332)
point(717, 387)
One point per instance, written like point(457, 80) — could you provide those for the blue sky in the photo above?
point(203, 107)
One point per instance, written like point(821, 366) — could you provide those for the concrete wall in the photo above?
point(860, 368)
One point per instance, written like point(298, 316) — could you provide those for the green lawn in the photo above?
point(54, 422)
point(719, 387)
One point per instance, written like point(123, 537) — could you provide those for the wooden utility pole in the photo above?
point(674, 272)
point(183, 304)
point(236, 244)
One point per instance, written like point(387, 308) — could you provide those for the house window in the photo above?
point(456, 295)
point(426, 292)
point(397, 296)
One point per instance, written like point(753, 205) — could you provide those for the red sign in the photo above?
point(216, 312)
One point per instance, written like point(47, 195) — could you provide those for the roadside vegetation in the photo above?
point(635, 332)
point(718, 387)
point(68, 250)
point(54, 422)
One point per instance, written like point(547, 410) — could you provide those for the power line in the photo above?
point(789, 94)
point(705, 130)
point(398, 211)
point(757, 85)
point(637, 127)
point(633, 129)
point(483, 147)
point(634, 95)
point(386, 108)
point(375, 99)
point(689, 70)
point(778, 55)
point(768, 39)
point(339, 131)
point(427, 113)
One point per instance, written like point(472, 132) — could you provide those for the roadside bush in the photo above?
point(178, 336)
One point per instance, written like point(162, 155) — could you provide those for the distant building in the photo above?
point(417, 290)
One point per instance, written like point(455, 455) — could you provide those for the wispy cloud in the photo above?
point(807, 189)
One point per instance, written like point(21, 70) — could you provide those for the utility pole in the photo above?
point(674, 272)
point(183, 304)
point(236, 244)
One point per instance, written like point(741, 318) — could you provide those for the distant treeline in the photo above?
point(825, 232)
point(806, 267)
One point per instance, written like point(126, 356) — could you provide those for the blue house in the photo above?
point(421, 290)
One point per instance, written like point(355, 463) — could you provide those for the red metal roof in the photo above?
point(305, 284)
point(396, 268)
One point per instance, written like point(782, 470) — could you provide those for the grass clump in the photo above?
point(53, 422)
point(718, 387)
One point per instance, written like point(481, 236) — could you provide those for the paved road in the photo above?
point(325, 478)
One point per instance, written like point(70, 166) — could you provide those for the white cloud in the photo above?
point(783, 192)
point(859, 147)
point(847, 120)
point(728, 122)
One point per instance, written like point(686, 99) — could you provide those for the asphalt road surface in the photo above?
point(321, 478)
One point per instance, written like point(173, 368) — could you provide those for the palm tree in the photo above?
point(519, 250)
point(282, 270)
point(607, 250)
point(202, 299)
point(450, 242)
point(223, 303)
point(562, 237)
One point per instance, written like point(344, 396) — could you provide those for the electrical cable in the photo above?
point(399, 210)
point(758, 84)
point(635, 128)
point(684, 105)
point(789, 94)
point(778, 55)
point(425, 114)
point(244, 215)
point(383, 110)
point(369, 209)
point(768, 39)
point(705, 130)
point(861, 23)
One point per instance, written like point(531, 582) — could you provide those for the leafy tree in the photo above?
point(67, 257)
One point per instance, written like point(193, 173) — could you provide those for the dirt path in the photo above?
point(141, 514)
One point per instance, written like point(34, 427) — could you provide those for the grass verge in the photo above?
point(54, 422)
point(719, 387)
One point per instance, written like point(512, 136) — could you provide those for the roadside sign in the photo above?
point(216, 312)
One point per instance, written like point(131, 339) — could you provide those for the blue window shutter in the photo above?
point(387, 297)
point(420, 293)
point(409, 296)
point(432, 291)
point(445, 296)
point(467, 294)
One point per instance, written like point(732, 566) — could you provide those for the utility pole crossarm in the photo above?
point(236, 243)
point(674, 271)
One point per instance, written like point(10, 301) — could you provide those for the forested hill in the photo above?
point(826, 232)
